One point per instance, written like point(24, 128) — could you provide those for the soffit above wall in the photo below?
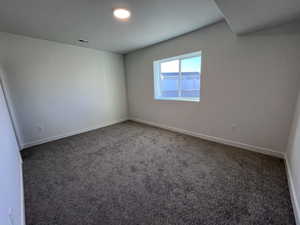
point(244, 16)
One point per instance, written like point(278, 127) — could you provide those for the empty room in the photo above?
point(158, 112)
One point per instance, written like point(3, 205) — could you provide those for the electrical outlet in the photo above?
point(38, 129)
point(233, 127)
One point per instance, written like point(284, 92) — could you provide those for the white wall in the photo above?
point(11, 191)
point(293, 161)
point(249, 85)
point(59, 90)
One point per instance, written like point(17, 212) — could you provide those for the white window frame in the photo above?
point(156, 73)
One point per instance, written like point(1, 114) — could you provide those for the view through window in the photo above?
point(178, 78)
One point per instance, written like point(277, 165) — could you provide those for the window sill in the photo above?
point(179, 99)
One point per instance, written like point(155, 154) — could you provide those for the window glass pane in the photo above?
point(190, 75)
point(170, 67)
point(169, 78)
point(169, 87)
point(191, 64)
point(178, 78)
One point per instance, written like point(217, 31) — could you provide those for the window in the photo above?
point(178, 78)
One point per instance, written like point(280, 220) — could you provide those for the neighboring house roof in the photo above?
point(182, 73)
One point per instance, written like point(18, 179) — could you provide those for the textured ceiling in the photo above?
point(244, 16)
point(67, 21)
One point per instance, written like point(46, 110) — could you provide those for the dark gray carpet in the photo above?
point(133, 174)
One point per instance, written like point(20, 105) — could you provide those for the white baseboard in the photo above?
point(253, 148)
point(293, 193)
point(53, 138)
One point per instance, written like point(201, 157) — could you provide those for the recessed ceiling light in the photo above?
point(122, 14)
point(83, 41)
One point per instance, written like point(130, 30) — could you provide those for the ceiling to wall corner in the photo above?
point(244, 16)
point(68, 21)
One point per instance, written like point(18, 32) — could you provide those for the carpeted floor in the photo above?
point(134, 174)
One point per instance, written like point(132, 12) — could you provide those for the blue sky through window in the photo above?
point(191, 64)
